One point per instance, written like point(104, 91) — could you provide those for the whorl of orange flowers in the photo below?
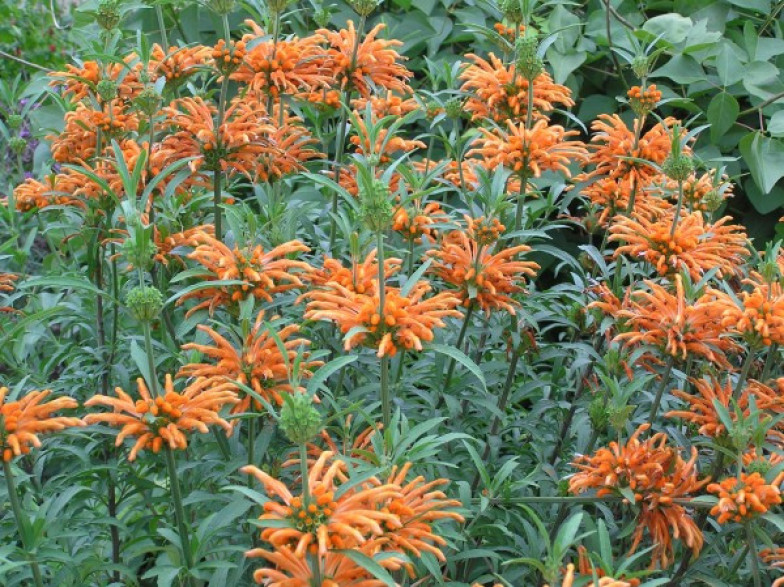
point(263, 274)
point(775, 558)
point(388, 104)
point(745, 496)
point(702, 193)
point(667, 320)
point(359, 277)
point(758, 315)
point(406, 321)
point(613, 144)
point(611, 196)
point(702, 405)
point(167, 419)
point(657, 475)
point(22, 420)
point(166, 243)
point(81, 82)
point(696, 246)
point(383, 146)
point(290, 145)
point(357, 64)
point(292, 66)
point(234, 147)
point(259, 363)
point(7, 281)
point(544, 147)
point(178, 63)
point(419, 222)
point(497, 92)
point(480, 274)
point(54, 190)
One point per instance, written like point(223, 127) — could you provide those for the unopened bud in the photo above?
point(598, 413)
point(322, 16)
point(148, 101)
point(512, 10)
point(144, 302)
point(221, 7)
point(15, 121)
point(17, 144)
point(108, 14)
point(376, 208)
point(678, 166)
point(299, 419)
point(527, 62)
point(106, 90)
point(641, 66)
point(363, 7)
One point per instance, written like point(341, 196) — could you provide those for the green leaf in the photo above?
point(722, 113)
point(672, 27)
point(565, 63)
point(765, 157)
point(140, 359)
point(762, 79)
point(369, 565)
point(776, 124)
point(682, 69)
point(325, 371)
point(203, 285)
point(762, 6)
point(461, 358)
point(728, 66)
point(775, 519)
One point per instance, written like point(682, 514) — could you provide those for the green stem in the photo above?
point(410, 257)
point(13, 497)
point(752, 542)
point(303, 467)
point(218, 172)
point(744, 374)
point(340, 149)
point(521, 199)
point(251, 447)
point(226, 29)
point(162, 27)
point(662, 386)
point(150, 358)
point(459, 346)
point(677, 215)
point(773, 351)
point(179, 511)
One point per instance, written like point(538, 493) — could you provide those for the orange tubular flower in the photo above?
point(22, 420)
point(323, 520)
point(233, 148)
point(289, 147)
point(178, 63)
point(568, 580)
point(362, 63)
point(611, 196)
point(7, 281)
point(668, 321)
point(258, 364)
point(291, 66)
point(742, 498)
point(498, 93)
point(388, 105)
point(81, 82)
point(702, 410)
point(407, 321)
point(263, 274)
point(481, 275)
point(614, 146)
point(166, 419)
point(417, 222)
point(290, 570)
point(359, 278)
point(55, 190)
point(382, 147)
point(696, 247)
point(657, 475)
point(759, 316)
point(775, 558)
point(543, 148)
point(165, 244)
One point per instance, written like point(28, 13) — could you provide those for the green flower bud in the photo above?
point(741, 435)
point(144, 302)
point(17, 144)
point(108, 14)
point(299, 419)
point(322, 16)
point(713, 200)
point(512, 10)
point(598, 414)
point(148, 101)
point(221, 7)
point(641, 66)
point(363, 7)
point(376, 208)
point(618, 417)
point(761, 466)
point(527, 62)
point(678, 167)
point(454, 108)
point(106, 90)
point(15, 121)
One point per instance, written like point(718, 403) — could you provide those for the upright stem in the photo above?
point(150, 358)
point(179, 511)
point(303, 467)
point(226, 29)
point(662, 386)
point(744, 374)
point(752, 542)
point(340, 147)
point(386, 407)
point(251, 447)
point(217, 179)
point(13, 497)
point(677, 215)
point(773, 350)
point(162, 27)
point(460, 338)
point(521, 199)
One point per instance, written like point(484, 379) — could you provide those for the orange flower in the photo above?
point(741, 498)
point(235, 147)
point(611, 196)
point(55, 190)
point(758, 315)
point(384, 145)
point(479, 273)
point(22, 420)
point(166, 243)
point(79, 140)
point(497, 92)
point(657, 475)
point(178, 63)
point(263, 274)
point(258, 364)
point(164, 420)
point(642, 102)
point(704, 193)
point(289, 147)
point(417, 222)
point(387, 105)
point(290, 66)
point(7, 281)
point(543, 148)
point(82, 82)
point(359, 278)
point(325, 519)
point(696, 246)
point(702, 407)
point(406, 322)
point(568, 580)
point(678, 328)
point(775, 558)
point(614, 146)
point(284, 568)
point(363, 64)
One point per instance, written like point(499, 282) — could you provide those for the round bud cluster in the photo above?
point(144, 302)
point(453, 108)
point(322, 16)
point(15, 121)
point(108, 14)
point(299, 419)
point(106, 90)
point(364, 7)
point(148, 101)
point(642, 101)
point(17, 144)
point(221, 7)
point(678, 167)
point(641, 66)
point(598, 413)
point(527, 62)
point(228, 58)
point(376, 208)
point(512, 10)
